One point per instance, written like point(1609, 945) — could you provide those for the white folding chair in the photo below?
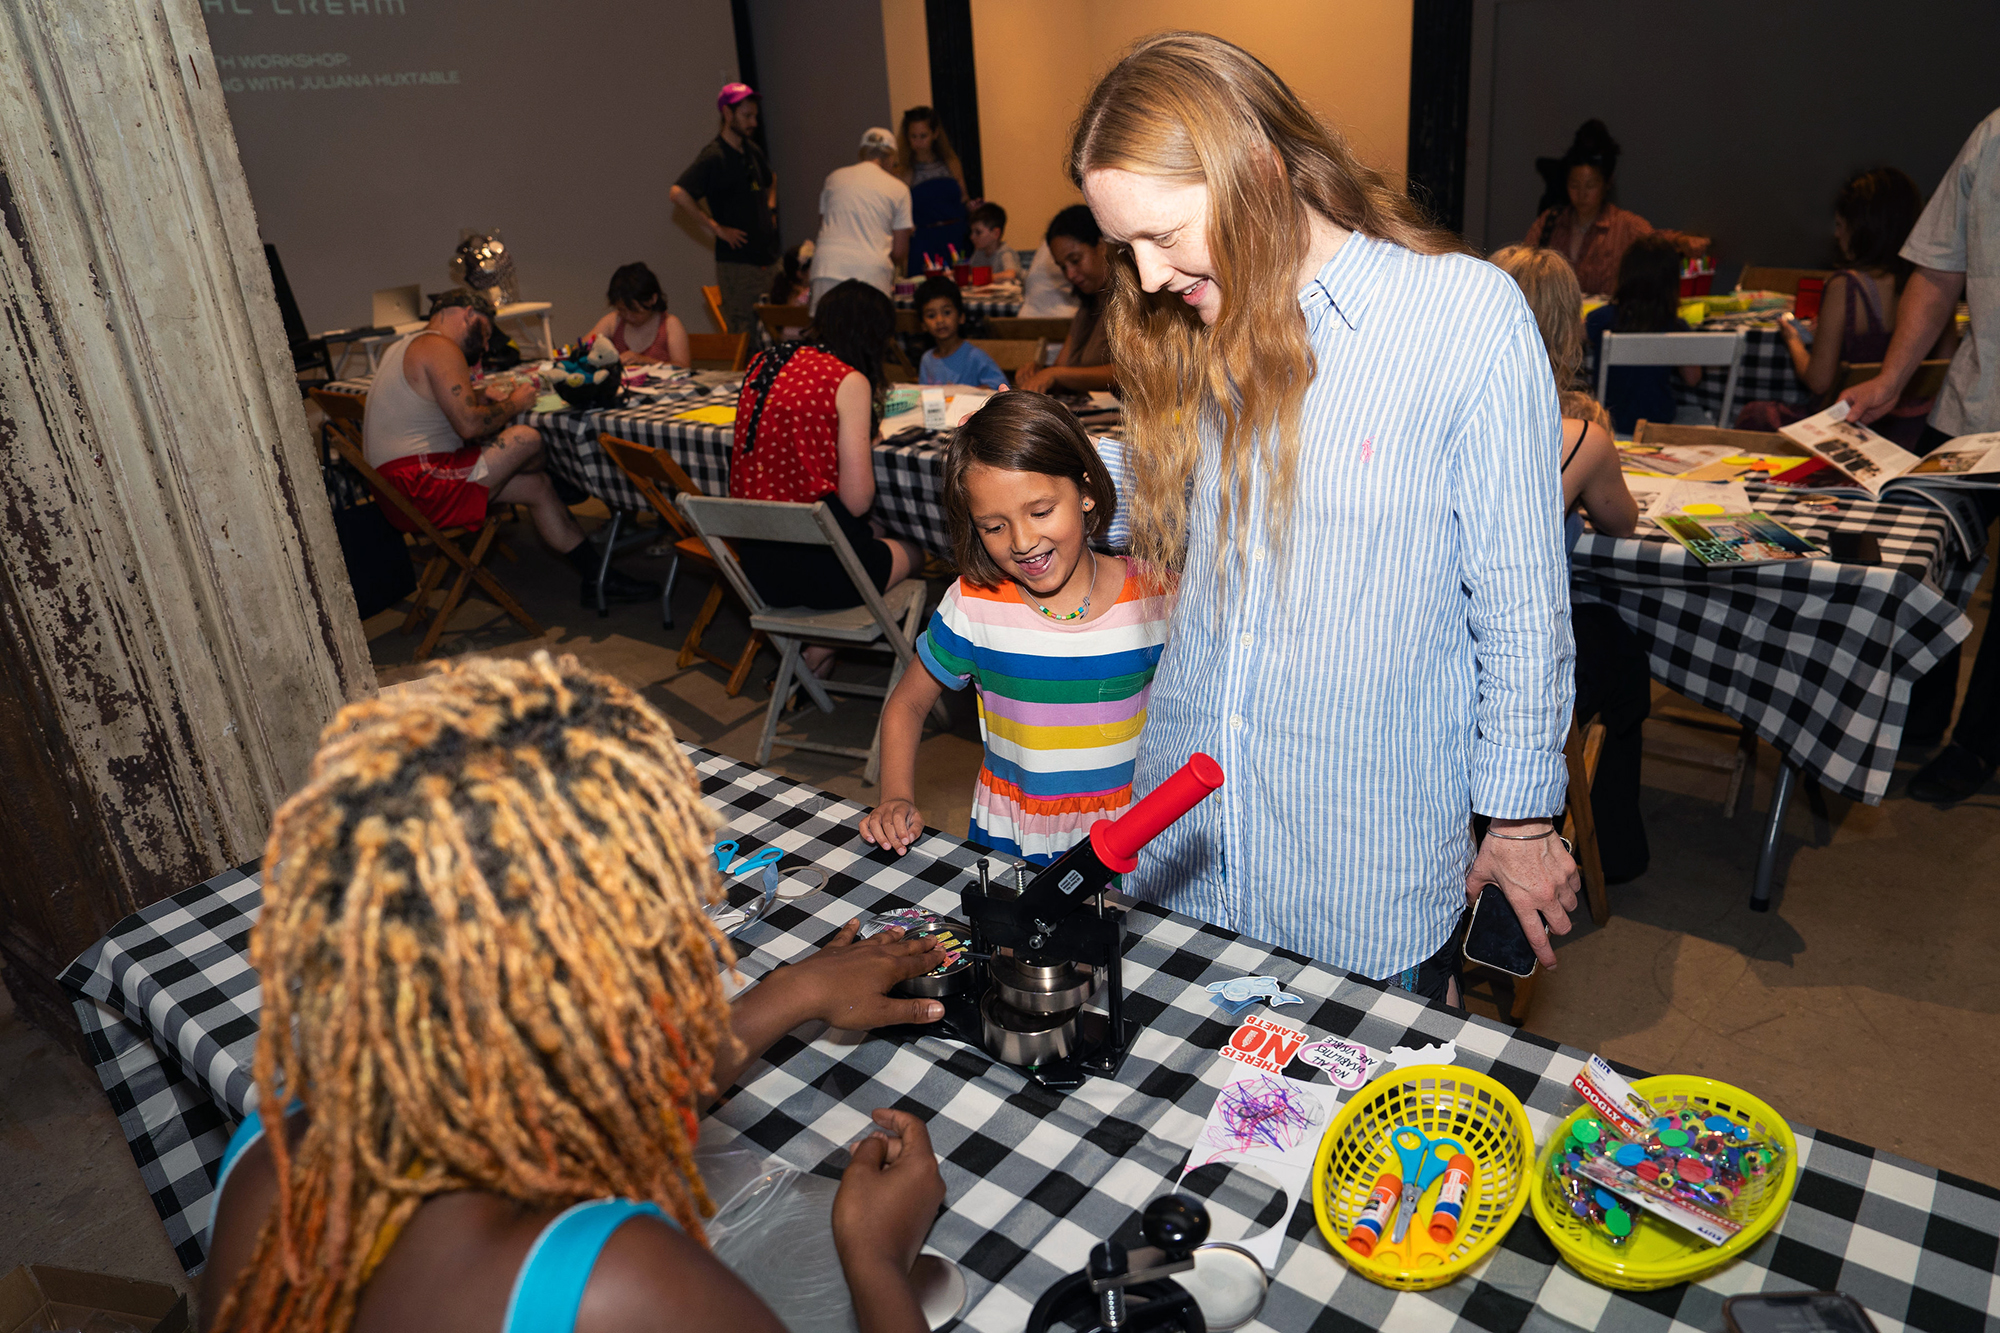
point(1675, 349)
point(720, 521)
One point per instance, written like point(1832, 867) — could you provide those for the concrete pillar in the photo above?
point(176, 624)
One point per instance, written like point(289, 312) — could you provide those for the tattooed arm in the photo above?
point(471, 413)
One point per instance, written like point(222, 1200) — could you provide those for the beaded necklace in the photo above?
point(1081, 610)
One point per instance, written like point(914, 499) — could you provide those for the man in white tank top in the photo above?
point(438, 439)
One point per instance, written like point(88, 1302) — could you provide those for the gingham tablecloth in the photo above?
point(169, 1005)
point(1817, 656)
point(975, 308)
point(908, 476)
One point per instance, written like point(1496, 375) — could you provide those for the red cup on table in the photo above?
point(982, 275)
point(1806, 304)
point(961, 274)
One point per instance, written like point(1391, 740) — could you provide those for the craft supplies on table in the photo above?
point(1719, 1161)
point(1437, 1103)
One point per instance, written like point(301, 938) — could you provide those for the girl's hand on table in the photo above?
point(895, 824)
point(1539, 878)
point(846, 983)
point(889, 1196)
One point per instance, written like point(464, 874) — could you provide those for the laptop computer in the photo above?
point(399, 305)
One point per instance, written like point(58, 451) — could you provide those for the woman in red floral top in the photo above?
point(805, 431)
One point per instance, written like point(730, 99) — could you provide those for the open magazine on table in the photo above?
point(1883, 470)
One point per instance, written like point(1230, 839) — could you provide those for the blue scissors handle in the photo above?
point(726, 862)
point(1423, 1160)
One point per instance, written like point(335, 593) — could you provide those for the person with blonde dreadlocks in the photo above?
point(492, 1001)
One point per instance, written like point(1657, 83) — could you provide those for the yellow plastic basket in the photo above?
point(1439, 1100)
point(1657, 1254)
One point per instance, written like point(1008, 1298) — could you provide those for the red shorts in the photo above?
point(441, 487)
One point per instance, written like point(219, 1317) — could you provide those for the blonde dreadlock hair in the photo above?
point(485, 966)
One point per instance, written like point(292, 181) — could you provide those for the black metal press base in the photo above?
point(1095, 1054)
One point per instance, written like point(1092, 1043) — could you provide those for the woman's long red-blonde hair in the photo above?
point(1193, 109)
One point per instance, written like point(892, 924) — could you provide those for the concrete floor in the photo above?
point(1861, 1004)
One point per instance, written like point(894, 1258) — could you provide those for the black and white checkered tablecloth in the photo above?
point(1818, 656)
point(169, 1004)
point(976, 308)
point(908, 477)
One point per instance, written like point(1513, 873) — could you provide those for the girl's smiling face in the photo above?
point(1031, 524)
point(1165, 226)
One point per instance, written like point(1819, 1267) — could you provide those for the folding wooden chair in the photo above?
point(1675, 349)
point(1581, 753)
point(718, 351)
point(1760, 278)
point(712, 296)
point(1010, 354)
point(721, 521)
point(343, 427)
point(1050, 330)
point(1926, 382)
point(780, 320)
point(1757, 443)
point(655, 475)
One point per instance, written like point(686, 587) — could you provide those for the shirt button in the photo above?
point(1245, 640)
point(1236, 721)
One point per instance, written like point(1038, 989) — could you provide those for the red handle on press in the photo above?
point(1117, 841)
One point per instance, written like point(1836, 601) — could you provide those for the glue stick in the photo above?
point(1381, 1204)
point(1451, 1199)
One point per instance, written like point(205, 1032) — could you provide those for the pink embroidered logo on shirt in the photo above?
point(1368, 448)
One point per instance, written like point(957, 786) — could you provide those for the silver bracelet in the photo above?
point(1522, 837)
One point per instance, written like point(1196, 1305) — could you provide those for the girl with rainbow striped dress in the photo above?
point(1060, 640)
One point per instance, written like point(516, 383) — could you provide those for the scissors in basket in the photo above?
point(1423, 1159)
point(726, 862)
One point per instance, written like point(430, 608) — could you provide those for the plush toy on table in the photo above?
point(587, 375)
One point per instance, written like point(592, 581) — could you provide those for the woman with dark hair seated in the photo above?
point(1872, 217)
point(1647, 301)
point(638, 324)
point(1085, 363)
point(806, 424)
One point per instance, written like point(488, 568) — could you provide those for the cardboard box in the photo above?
point(37, 1296)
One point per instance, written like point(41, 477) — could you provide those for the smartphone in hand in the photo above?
point(1495, 938)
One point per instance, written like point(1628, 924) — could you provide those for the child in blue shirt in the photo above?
point(953, 360)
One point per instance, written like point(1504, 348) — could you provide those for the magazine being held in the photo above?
point(1940, 479)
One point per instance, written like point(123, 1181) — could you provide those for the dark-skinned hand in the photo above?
point(846, 982)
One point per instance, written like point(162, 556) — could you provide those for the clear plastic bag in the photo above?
point(773, 1228)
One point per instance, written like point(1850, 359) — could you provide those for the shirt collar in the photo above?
point(1346, 281)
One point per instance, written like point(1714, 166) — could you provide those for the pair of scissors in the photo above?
point(726, 862)
point(1424, 1159)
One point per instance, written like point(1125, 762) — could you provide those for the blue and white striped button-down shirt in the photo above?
point(1406, 660)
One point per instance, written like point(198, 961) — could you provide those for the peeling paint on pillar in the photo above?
point(174, 613)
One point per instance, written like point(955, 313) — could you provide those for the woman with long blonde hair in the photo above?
point(492, 1014)
point(1342, 433)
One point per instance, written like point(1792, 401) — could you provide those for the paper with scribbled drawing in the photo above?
point(1274, 1123)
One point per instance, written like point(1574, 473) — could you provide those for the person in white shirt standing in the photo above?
point(864, 221)
point(1956, 248)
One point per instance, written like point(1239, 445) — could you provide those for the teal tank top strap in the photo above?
point(549, 1288)
point(246, 1134)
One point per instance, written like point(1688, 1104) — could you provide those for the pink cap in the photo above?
point(732, 93)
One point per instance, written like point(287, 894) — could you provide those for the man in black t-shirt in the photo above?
point(731, 190)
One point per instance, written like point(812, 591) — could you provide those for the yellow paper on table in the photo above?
point(715, 414)
point(549, 402)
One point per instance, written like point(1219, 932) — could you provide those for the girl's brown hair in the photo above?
point(1019, 431)
point(485, 966)
point(906, 156)
point(1193, 109)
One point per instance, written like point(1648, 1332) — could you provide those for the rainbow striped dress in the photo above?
point(1061, 705)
